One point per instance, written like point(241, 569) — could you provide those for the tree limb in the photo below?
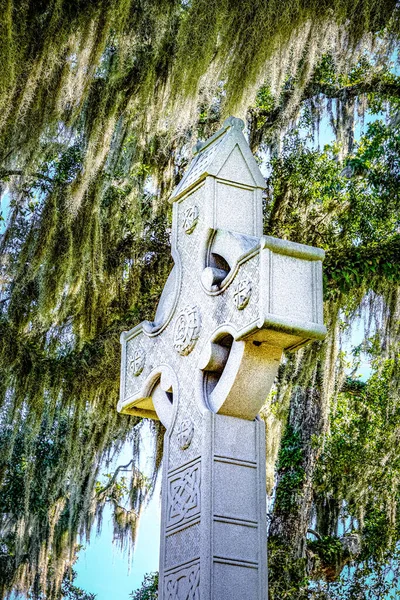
point(18, 172)
point(271, 119)
point(114, 477)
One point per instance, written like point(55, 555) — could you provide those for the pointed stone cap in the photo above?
point(225, 155)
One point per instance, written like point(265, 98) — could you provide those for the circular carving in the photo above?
point(137, 361)
point(187, 329)
point(242, 293)
point(185, 433)
point(190, 219)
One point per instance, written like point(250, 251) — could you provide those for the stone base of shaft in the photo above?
point(213, 537)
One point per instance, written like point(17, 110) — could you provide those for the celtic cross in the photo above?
point(234, 301)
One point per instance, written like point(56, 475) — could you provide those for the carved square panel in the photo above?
point(183, 495)
point(232, 483)
point(236, 541)
point(183, 584)
point(292, 288)
point(234, 582)
point(182, 546)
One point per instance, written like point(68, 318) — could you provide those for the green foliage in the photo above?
point(265, 99)
point(286, 577)
point(313, 200)
point(360, 463)
point(369, 581)
point(360, 468)
point(328, 548)
point(148, 589)
point(69, 591)
point(291, 470)
point(340, 203)
point(100, 103)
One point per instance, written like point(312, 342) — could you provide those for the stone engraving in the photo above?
point(184, 495)
point(187, 330)
point(185, 433)
point(184, 585)
point(193, 452)
point(242, 293)
point(190, 219)
point(137, 361)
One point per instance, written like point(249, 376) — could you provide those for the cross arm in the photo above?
point(270, 300)
point(146, 380)
point(275, 285)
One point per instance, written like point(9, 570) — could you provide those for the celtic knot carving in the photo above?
point(187, 330)
point(242, 293)
point(190, 219)
point(172, 589)
point(185, 433)
point(184, 495)
point(136, 364)
point(184, 585)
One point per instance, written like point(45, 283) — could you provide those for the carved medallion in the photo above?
point(185, 433)
point(242, 293)
point(187, 330)
point(137, 361)
point(190, 219)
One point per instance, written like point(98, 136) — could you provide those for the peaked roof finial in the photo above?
point(210, 156)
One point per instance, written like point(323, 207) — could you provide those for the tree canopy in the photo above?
point(101, 103)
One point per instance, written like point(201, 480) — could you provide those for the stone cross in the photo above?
point(233, 302)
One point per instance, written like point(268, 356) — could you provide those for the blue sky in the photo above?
point(102, 567)
point(106, 571)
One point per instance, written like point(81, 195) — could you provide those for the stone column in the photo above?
point(213, 530)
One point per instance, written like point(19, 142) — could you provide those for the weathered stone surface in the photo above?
point(233, 302)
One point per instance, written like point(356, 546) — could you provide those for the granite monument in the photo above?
point(234, 301)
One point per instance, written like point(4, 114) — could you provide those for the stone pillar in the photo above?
point(213, 530)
